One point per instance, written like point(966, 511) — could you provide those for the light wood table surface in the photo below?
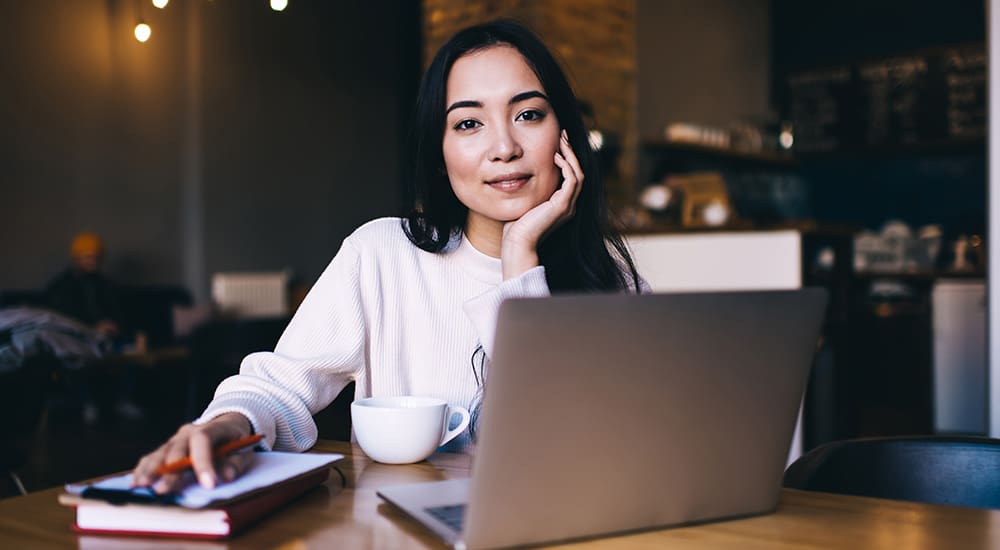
point(354, 517)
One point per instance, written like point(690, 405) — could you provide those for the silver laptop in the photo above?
point(613, 413)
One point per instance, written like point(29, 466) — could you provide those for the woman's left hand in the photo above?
point(519, 249)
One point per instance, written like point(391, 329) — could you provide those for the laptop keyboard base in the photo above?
point(453, 516)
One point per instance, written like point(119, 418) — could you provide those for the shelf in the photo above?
point(950, 147)
point(768, 158)
point(918, 276)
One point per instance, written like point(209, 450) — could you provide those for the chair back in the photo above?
point(22, 398)
point(961, 471)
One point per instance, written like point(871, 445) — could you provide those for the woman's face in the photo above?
point(500, 136)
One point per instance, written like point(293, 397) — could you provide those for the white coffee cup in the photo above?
point(404, 429)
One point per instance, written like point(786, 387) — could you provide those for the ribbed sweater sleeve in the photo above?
point(320, 352)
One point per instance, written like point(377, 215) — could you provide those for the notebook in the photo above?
point(612, 413)
point(111, 506)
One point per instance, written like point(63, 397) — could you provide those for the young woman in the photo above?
point(408, 306)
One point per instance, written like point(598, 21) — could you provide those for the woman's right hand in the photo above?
point(198, 443)
point(519, 248)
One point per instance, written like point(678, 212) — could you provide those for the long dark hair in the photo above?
point(576, 254)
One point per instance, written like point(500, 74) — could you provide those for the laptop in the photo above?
point(613, 413)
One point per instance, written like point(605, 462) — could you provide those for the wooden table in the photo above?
point(354, 517)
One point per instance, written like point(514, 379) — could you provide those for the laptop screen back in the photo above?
point(607, 413)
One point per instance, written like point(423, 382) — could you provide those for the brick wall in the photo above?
point(595, 42)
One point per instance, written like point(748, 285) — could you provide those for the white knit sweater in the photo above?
point(394, 318)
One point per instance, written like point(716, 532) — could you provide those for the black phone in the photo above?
point(139, 495)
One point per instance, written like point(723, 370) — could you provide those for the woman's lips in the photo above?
point(509, 182)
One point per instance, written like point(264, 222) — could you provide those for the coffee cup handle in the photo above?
point(451, 434)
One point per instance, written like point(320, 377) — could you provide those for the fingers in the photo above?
point(196, 442)
point(144, 473)
point(175, 449)
point(567, 152)
point(566, 160)
point(201, 459)
point(234, 465)
point(568, 174)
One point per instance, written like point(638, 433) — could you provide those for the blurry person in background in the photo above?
point(82, 291)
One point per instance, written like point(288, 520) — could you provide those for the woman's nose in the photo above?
point(505, 146)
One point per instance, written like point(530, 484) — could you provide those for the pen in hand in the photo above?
point(220, 451)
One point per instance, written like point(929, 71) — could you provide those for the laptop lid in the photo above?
point(610, 413)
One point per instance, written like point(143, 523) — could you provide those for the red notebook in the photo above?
point(275, 479)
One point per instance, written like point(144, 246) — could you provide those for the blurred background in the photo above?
point(222, 160)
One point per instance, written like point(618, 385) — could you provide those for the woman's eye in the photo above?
point(531, 115)
point(467, 124)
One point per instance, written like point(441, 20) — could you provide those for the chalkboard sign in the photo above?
point(921, 99)
point(965, 79)
point(821, 108)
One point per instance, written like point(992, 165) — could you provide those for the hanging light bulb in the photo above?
point(142, 32)
point(161, 3)
point(279, 5)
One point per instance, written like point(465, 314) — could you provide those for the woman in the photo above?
point(500, 210)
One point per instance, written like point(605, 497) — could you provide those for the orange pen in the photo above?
point(220, 451)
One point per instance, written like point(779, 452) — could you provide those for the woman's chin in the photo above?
point(508, 211)
point(508, 217)
point(514, 212)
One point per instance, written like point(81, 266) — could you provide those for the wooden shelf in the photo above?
point(918, 276)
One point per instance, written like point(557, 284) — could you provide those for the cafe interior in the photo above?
point(223, 149)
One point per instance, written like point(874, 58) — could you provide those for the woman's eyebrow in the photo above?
point(516, 99)
point(460, 104)
point(527, 95)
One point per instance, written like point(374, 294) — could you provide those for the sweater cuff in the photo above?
point(261, 422)
point(482, 310)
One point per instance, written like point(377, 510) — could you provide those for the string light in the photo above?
point(142, 32)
